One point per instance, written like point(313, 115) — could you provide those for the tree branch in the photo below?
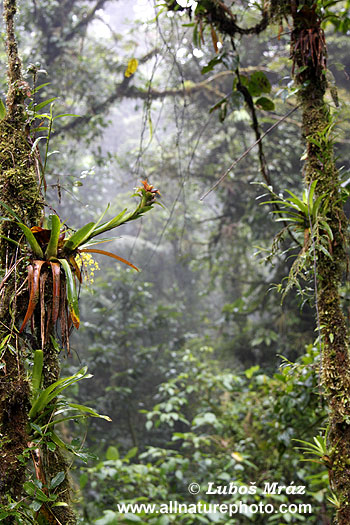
point(15, 94)
point(86, 20)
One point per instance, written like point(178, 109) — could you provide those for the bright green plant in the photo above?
point(54, 248)
point(48, 407)
point(306, 216)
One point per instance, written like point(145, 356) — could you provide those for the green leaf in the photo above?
point(43, 104)
point(113, 223)
point(72, 295)
point(10, 210)
point(33, 243)
point(326, 227)
point(78, 237)
point(92, 242)
point(4, 341)
point(251, 371)
point(32, 490)
point(54, 390)
point(310, 198)
point(112, 453)
point(57, 480)
point(210, 66)
point(37, 428)
point(9, 240)
point(265, 103)
point(2, 110)
point(35, 143)
point(37, 370)
point(132, 453)
point(51, 250)
point(109, 518)
point(66, 115)
point(258, 83)
point(325, 251)
point(88, 410)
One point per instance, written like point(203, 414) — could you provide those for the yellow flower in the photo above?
point(87, 265)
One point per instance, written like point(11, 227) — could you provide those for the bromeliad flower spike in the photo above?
point(55, 255)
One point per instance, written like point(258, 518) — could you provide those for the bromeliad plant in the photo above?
point(307, 216)
point(54, 252)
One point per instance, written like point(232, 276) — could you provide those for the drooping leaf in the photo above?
point(88, 410)
point(72, 295)
point(33, 243)
point(36, 142)
point(33, 282)
point(51, 250)
point(109, 254)
point(42, 282)
point(56, 287)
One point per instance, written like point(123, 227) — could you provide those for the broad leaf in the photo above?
point(37, 370)
point(72, 295)
point(56, 288)
point(33, 243)
point(54, 390)
point(51, 250)
point(78, 237)
point(33, 281)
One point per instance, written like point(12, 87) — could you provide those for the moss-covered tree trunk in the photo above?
point(20, 196)
point(309, 57)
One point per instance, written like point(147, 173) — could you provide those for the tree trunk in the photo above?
point(309, 62)
point(20, 197)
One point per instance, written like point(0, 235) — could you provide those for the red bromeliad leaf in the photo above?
point(56, 284)
point(33, 282)
point(42, 235)
point(109, 254)
point(42, 281)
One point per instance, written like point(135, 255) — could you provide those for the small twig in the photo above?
point(219, 181)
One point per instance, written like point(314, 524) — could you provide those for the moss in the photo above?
point(19, 181)
point(14, 402)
